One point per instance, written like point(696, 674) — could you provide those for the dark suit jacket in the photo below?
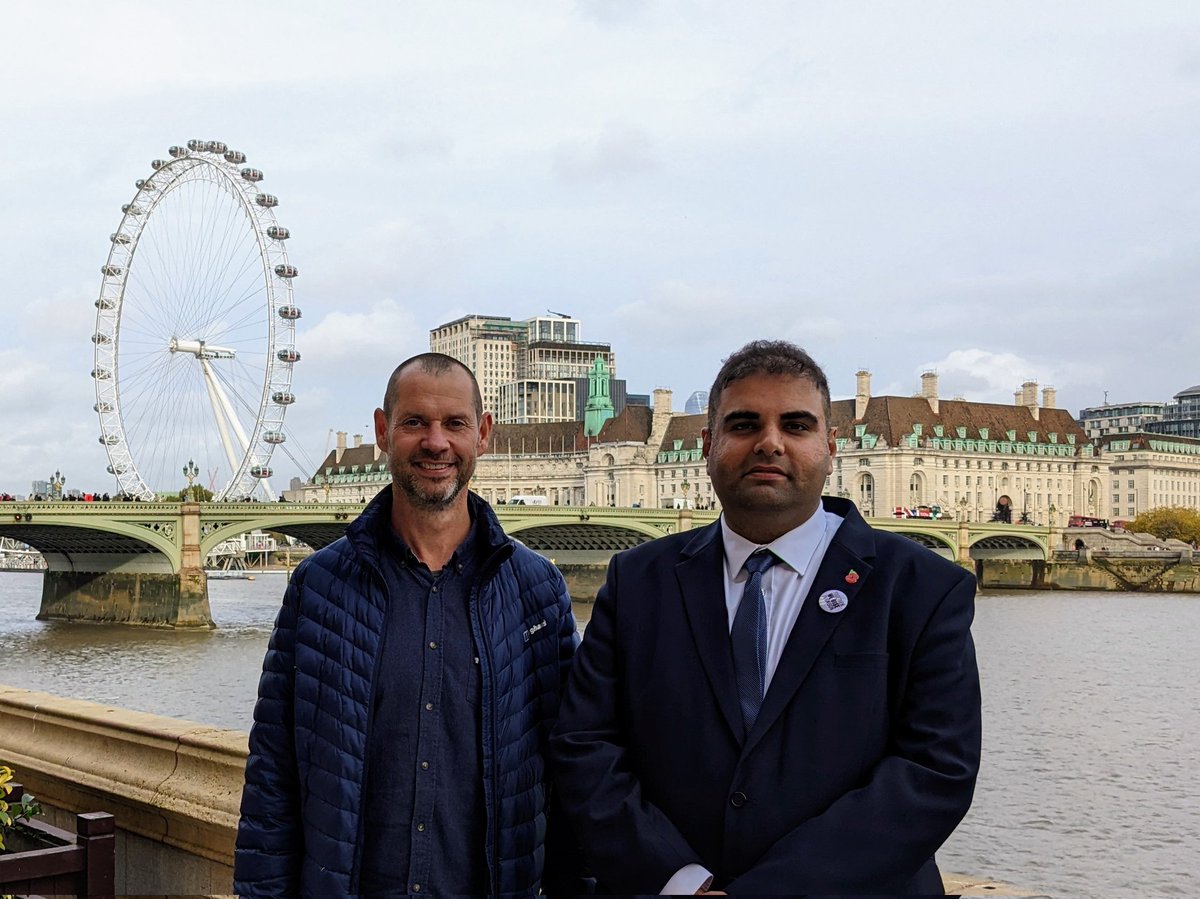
point(864, 755)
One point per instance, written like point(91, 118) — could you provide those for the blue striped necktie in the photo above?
point(749, 638)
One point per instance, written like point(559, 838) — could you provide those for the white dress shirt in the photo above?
point(800, 551)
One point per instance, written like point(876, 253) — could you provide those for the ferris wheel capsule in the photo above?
point(118, 237)
point(283, 398)
point(291, 313)
point(215, 146)
point(274, 437)
point(99, 337)
point(178, 152)
point(103, 407)
point(158, 164)
point(130, 209)
point(286, 271)
point(102, 374)
point(111, 271)
point(105, 303)
point(278, 232)
point(267, 201)
point(197, 145)
point(109, 439)
point(261, 471)
point(288, 354)
point(237, 157)
point(252, 175)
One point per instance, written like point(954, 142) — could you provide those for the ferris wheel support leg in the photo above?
point(220, 407)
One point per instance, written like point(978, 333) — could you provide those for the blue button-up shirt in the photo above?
point(424, 802)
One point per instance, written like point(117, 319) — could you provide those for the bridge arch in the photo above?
point(62, 540)
point(316, 531)
point(1009, 546)
point(581, 536)
point(938, 542)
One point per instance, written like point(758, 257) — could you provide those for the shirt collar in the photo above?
point(794, 549)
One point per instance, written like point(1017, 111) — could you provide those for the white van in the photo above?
point(529, 501)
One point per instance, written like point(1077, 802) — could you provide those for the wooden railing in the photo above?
point(81, 864)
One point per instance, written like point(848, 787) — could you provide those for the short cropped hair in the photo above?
point(434, 364)
point(768, 357)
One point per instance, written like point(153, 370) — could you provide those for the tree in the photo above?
point(196, 493)
point(1167, 523)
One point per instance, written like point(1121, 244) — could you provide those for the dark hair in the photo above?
point(434, 364)
point(769, 357)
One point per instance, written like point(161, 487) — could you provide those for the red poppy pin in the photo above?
point(852, 577)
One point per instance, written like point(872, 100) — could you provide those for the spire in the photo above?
point(599, 407)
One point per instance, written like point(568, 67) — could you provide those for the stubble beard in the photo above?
point(443, 497)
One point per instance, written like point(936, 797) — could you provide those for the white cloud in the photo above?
point(619, 151)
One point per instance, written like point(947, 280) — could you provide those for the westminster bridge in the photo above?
point(143, 563)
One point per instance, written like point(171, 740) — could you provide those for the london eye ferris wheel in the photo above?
point(195, 328)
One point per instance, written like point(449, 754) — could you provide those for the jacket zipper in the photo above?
point(488, 570)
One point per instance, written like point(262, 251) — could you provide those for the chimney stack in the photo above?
point(862, 393)
point(1029, 398)
point(341, 447)
point(357, 440)
point(929, 389)
point(1049, 398)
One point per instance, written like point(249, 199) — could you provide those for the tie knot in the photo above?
point(760, 561)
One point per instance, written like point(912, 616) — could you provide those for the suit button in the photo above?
point(737, 800)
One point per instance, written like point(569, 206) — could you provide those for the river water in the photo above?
point(1091, 774)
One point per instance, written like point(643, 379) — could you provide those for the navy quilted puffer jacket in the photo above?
point(300, 831)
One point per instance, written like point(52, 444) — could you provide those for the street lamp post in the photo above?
point(56, 484)
point(191, 471)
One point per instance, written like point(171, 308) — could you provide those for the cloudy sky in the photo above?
point(995, 191)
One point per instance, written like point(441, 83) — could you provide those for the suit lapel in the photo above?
point(815, 626)
point(701, 577)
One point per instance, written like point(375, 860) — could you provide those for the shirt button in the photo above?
point(416, 888)
point(421, 827)
point(435, 589)
point(433, 644)
point(425, 765)
point(738, 799)
point(429, 706)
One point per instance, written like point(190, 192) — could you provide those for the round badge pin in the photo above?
point(833, 601)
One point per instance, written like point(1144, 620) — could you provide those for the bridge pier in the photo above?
point(151, 598)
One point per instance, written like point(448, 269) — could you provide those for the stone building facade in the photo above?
point(1147, 471)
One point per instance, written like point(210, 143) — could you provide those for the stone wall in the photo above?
point(174, 786)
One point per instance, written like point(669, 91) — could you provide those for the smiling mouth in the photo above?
point(430, 467)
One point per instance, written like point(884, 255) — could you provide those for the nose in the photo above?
point(435, 440)
point(770, 441)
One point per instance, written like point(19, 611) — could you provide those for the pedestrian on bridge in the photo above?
point(415, 671)
point(785, 701)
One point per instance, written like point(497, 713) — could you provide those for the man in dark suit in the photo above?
point(786, 701)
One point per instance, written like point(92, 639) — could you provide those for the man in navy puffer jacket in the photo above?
point(412, 679)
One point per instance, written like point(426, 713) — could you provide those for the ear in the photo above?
point(832, 448)
point(705, 441)
point(381, 430)
point(485, 432)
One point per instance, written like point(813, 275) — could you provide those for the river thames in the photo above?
point(1091, 768)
